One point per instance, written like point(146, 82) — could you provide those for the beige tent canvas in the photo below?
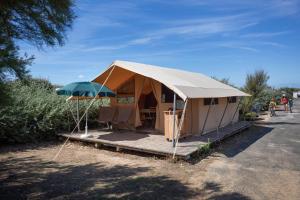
point(149, 90)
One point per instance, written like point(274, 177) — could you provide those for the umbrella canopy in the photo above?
point(85, 89)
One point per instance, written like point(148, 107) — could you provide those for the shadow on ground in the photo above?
point(30, 177)
point(241, 141)
point(5, 148)
point(233, 145)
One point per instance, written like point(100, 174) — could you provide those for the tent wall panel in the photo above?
point(229, 114)
point(117, 77)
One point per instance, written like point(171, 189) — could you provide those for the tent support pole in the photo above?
point(180, 126)
point(174, 120)
point(227, 102)
point(207, 114)
point(235, 111)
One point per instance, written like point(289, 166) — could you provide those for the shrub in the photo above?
point(250, 116)
point(34, 112)
point(256, 85)
point(204, 149)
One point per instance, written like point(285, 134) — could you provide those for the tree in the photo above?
point(39, 22)
point(256, 85)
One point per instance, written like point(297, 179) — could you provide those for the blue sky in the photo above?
point(226, 39)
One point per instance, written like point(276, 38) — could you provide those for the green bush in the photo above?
point(34, 112)
point(250, 116)
point(204, 149)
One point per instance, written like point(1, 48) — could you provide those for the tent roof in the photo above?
point(183, 83)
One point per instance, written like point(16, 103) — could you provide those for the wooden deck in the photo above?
point(155, 143)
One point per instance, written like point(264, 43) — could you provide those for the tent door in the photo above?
point(147, 107)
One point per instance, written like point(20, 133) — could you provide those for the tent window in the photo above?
point(167, 95)
point(180, 104)
point(125, 100)
point(231, 99)
point(125, 93)
point(208, 101)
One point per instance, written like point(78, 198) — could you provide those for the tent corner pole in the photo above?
point(180, 127)
point(174, 120)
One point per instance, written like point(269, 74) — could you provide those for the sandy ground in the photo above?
point(260, 163)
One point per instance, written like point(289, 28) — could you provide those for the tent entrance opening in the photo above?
point(147, 107)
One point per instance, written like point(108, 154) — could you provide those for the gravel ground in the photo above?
point(260, 163)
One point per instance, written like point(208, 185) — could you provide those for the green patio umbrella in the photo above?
point(84, 90)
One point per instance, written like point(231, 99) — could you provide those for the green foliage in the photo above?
point(40, 22)
point(204, 149)
point(255, 85)
point(35, 112)
point(250, 116)
point(10, 61)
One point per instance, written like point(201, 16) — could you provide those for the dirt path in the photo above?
point(82, 171)
point(260, 163)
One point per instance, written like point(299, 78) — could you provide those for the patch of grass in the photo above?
point(202, 152)
point(204, 149)
point(250, 116)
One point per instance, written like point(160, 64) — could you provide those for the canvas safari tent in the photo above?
point(205, 104)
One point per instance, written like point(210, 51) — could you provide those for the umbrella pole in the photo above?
point(86, 124)
point(78, 114)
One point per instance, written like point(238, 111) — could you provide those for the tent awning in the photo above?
point(183, 83)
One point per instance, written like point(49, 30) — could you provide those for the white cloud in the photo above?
point(105, 48)
point(237, 45)
point(80, 76)
point(266, 8)
point(144, 40)
point(265, 34)
point(138, 41)
point(274, 44)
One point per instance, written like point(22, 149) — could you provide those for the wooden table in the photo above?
point(149, 114)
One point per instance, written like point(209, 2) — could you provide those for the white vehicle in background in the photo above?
point(296, 95)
